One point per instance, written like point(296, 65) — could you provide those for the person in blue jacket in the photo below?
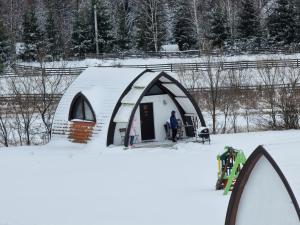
point(174, 125)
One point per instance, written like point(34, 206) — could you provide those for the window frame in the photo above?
point(83, 100)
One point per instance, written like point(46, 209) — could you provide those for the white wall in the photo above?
point(265, 199)
point(162, 107)
point(117, 135)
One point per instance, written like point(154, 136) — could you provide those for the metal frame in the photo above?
point(162, 74)
point(242, 179)
point(112, 124)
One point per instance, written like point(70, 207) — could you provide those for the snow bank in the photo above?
point(71, 186)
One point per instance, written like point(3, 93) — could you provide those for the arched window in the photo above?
point(81, 109)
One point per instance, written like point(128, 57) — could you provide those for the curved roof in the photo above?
point(140, 87)
point(114, 94)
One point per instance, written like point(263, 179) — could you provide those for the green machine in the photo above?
point(230, 164)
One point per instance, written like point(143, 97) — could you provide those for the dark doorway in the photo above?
point(147, 121)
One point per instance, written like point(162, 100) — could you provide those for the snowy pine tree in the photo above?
point(297, 4)
point(281, 23)
point(249, 25)
point(32, 36)
point(219, 29)
point(122, 39)
point(4, 47)
point(249, 31)
point(82, 37)
point(52, 37)
point(184, 32)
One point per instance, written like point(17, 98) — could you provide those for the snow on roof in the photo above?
point(143, 81)
point(170, 47)
point(133, 95)
point(102, 87)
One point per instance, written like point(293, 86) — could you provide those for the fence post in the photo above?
point(171, 67)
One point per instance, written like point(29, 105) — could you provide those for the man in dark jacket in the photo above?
point(174, 125)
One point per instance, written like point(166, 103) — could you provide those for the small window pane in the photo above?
point(155, 90)
point(88, 112)
point(77, 110)
point(81, 110)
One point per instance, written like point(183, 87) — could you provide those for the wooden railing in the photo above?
point(56, 97)
point(19, 70)
point(185, 54)
point(176, 67)
point(29, 97)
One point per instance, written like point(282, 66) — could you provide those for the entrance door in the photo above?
point(147, 121)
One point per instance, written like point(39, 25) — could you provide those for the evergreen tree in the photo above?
point(150, 24)
point(52, 37)
point(4, 47)
point(82, 36)
point(219, 29)
point(281, 23)
point(248, 28)
point(249, 25)
point(32, 36)
point(122, 35)
point(184, 32)
point(297, 4)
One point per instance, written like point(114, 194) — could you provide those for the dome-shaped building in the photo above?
point(102, 103)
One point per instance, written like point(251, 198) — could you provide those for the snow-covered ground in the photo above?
point(56, 185)
point(150, 61)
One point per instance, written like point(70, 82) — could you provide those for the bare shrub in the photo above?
point(269, 79)
point(288, 96)
point(213, 78)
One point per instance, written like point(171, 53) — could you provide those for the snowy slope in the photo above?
point(53, 185)
point(150, 61)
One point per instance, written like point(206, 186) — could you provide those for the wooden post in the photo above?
point(96, 30)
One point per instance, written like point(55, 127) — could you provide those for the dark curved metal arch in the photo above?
point(180, 109)
point(162, 74)
point(190, 97)
point(112, 125)
point(242, 181)
point(80, 95)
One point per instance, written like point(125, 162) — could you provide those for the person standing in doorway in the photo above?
point(132, 133)
point(174, 125)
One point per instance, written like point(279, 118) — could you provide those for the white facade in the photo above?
point(265, 199)
point(162, 107)
point(115, 95)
